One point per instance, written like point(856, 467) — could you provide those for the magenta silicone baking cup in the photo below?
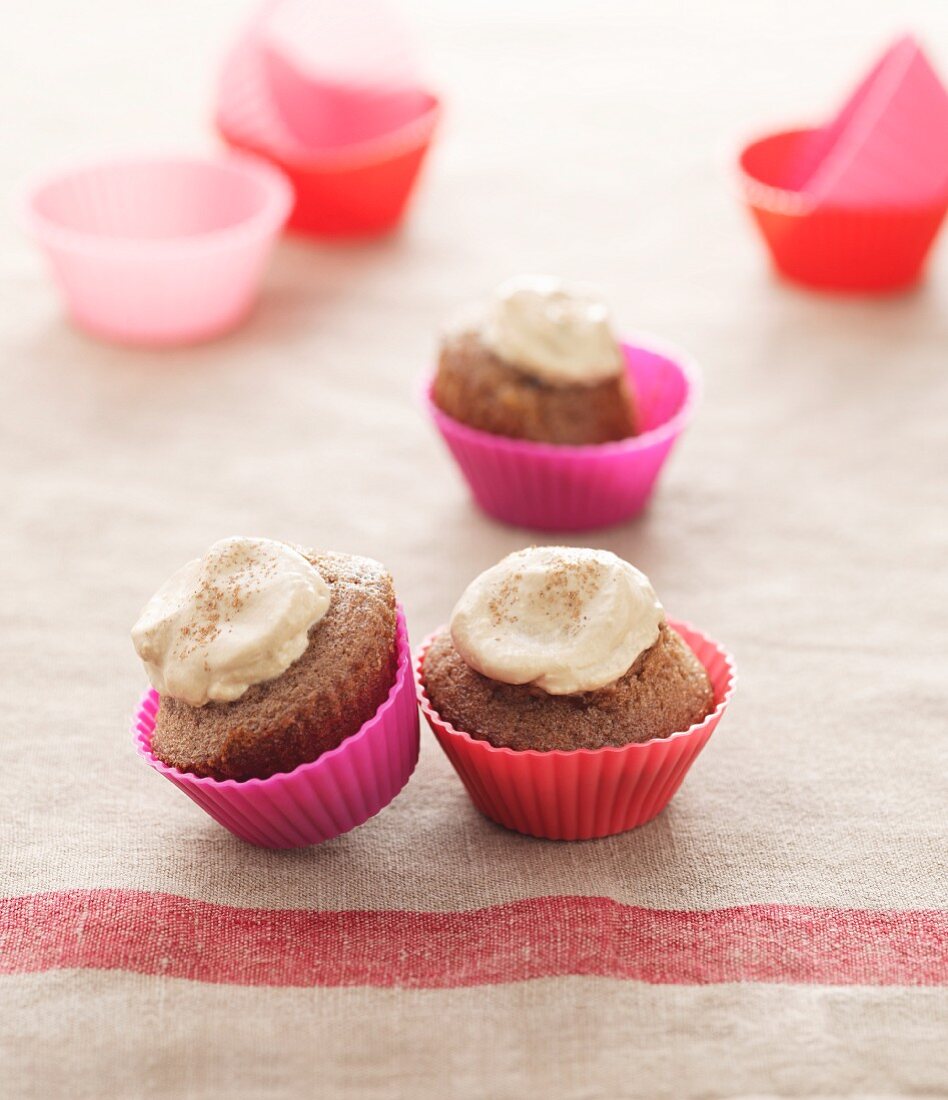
point(160, 250)
point(586, 793)
point(564, 488)
point(316, 801)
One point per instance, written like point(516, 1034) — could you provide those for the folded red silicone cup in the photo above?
point(889, 143)
point(564, 488)
point(316, 801)
point(586, 793)
point(360, 189)
point(160, 250)
point(844, 248)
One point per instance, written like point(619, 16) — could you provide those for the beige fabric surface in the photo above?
point(802, 521)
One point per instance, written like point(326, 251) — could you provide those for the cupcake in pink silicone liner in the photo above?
point(282, 700)
point(554, 422)
point(567, 701)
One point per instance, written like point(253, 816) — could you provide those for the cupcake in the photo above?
point(538, 362)
point(568, 702)
point(554, 423)
point(266, 660)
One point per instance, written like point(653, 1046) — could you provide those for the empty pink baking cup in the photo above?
point(586, 793)
point(316, 801)
point(340, 71)
point(160, 250)
point(847, 248)
point(564, 488)
point(888, 146)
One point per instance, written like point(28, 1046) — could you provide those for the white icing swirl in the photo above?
point(236, 617)
point(561, 618)
point(560, 333)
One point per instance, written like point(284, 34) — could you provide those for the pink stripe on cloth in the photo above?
point(163, 934)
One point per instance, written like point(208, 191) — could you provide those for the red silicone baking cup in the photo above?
point(586, 793)
point(357, 190)
point(845, 248)
point(359, 197)
point(316, 801)
point(565, 488)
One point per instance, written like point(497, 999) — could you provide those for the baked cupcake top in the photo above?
point(557, 648)
point(249, 689)
point(238, 616)
point(555, 331)
point(564, 619)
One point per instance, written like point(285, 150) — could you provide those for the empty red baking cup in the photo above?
point(319, 800)
point(361, 189)
point(160, 250)
point(871, 249)
point(586, 793)
point(564, 488)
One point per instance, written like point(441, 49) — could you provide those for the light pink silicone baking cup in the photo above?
point(160, 250)
point(339, 72)
point(246, 112)
point(316, 801)
point(565, 488)
point(586, 793)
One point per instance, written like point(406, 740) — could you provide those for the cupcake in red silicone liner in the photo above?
point(555, 423)
point(282, 700)
point(569, 704)
point(856, 204)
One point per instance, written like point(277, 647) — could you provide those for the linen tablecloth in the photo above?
point(782, 928)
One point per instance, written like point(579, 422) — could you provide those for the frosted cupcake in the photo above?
point(560, 673)
point(270, 666)
point(554, 423)
point(538, 361)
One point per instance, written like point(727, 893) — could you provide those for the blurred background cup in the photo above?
point(159, 250)
point(330, 93)
point(856, 205)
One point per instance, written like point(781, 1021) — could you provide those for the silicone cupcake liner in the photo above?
point(889, 143)
point(340, 71)
point(333, 117)
point(316, 801)
point(163, 250)
point(855, 249)
point(356, 190)
point(560, 488)
point(351, 200)
point(245, 107)
point(587, 793)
